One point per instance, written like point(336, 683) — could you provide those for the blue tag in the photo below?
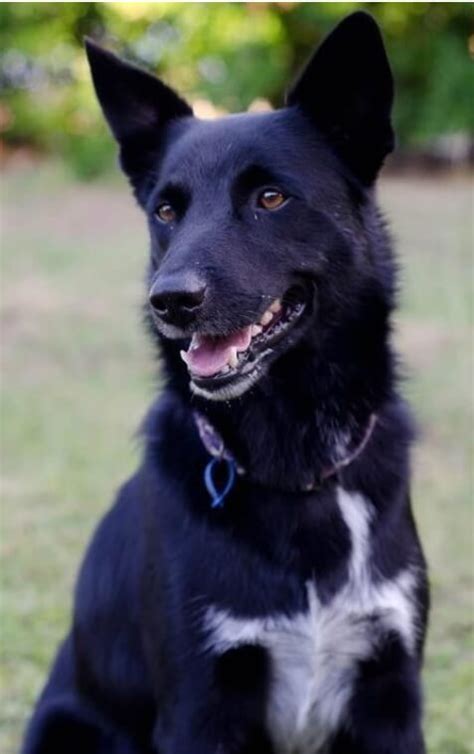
point(218, 496)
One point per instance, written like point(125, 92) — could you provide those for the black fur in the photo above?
point(133, 677)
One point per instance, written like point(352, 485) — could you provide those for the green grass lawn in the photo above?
point(77, 376)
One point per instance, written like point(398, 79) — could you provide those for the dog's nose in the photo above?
point(177, 300)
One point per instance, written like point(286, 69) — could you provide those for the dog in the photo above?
point(258, 587)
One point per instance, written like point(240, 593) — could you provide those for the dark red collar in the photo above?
point(215, 446)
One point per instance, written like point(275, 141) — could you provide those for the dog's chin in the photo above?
point(269, 339)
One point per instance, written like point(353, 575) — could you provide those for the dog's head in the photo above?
point(260, 233)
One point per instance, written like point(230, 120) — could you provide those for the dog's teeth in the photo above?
point(233, 358)
point(184, 356)
point(256, 330)
point(266, 318)
point(195, 342)
point(225, 369)
point(276, 306)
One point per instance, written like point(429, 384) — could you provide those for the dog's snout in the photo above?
point(177, 300)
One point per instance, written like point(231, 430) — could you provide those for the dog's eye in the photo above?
point(165, 212)
point(271, 199)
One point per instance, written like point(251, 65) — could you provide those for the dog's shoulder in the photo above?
point(109, 654)
point(109, 574)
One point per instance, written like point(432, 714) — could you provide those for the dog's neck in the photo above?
point(307, 415)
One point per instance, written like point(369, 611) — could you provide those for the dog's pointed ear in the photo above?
point(347, 90)
point(136, 105)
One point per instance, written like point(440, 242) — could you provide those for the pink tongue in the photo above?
point(207, 355)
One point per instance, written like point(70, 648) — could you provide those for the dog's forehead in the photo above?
point(210, 149)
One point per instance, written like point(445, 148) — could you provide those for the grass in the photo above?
point(77, 376)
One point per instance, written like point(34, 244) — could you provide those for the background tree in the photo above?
point(229, 54)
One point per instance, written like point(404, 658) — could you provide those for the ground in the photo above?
point(77, 375)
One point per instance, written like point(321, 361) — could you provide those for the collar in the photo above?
point(214, 444)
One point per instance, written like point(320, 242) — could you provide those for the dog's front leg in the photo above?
point(385, 714)
point(223, 710)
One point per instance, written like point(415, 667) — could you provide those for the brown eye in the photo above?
point(271, 199)
point(165, 213)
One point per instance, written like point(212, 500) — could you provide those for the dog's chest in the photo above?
point(314, 654)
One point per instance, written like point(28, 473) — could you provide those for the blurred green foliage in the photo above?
point(227, 53)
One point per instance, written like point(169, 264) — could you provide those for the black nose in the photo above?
point(177, 300)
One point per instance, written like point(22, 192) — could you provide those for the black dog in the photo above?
point(258, 587)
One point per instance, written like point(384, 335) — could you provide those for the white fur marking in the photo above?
point(315, 654)
point(391, 599)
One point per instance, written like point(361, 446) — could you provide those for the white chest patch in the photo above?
point(314, 654)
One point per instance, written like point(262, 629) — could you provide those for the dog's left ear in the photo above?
point(137, 107)
point(347, 90)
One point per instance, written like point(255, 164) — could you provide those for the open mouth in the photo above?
point(224, 367)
